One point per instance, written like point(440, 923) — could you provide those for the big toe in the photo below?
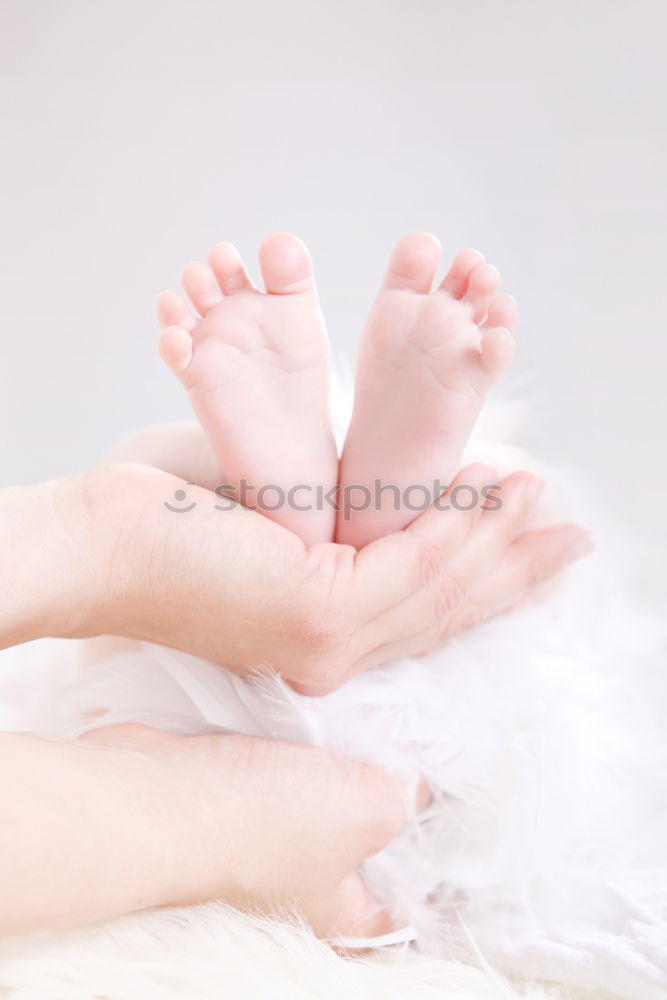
point(286, 265)
point(413, 263)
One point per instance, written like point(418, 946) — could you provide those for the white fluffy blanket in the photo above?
point(544, 856)
point(211, 953)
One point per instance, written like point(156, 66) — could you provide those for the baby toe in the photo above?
point(229, 269)
point(286, 265)
point(456, 280)
point(172, 310)
point(176, 349)
point(503, 311)
point(483, 286)
point(497, 350)
point(413, 263)
point(201, 287)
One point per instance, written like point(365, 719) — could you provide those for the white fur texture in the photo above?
point(544, 855)
point(212, 952)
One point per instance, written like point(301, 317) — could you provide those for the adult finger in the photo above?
point(376, 806)
point(532, 559)
point(502, 521)
point(451, 550)
point(395, 567)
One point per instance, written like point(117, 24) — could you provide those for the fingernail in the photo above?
point(583, 546)
point(533, 489)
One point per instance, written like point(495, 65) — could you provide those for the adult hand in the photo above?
point(154, 819)
point(115, 551)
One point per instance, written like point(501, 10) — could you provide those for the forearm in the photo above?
point(101, 553)
point(83, 836)
point(69, 557)
point(44, 583)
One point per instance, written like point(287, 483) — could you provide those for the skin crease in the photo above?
point(139, 818)
point(151, 819)
point(439, 349)
point(92, 557)
point(256, 368)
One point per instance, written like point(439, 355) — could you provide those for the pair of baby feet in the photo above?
point(256, 367)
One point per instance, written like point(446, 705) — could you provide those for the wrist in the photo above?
point(105, 516)
point(47, 586)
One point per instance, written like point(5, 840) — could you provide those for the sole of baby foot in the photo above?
point(428, 358)
point(256, 368)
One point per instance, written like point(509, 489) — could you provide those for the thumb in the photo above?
point(352, 911)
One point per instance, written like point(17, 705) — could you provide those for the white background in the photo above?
point(135, 135)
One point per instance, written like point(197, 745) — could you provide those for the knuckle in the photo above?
point(326, 686)
point(430, 560)
point(323, 620)
point(385, 813)
point(317, 640)
point(504, 525)
point(449, 596)
point(324, 612)
point(314, 635)
point(472, 614)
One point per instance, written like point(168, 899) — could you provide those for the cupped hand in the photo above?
point(224, 583)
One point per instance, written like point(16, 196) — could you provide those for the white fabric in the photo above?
point(543, 734)
point(213, 953)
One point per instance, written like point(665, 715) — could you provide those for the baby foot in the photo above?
point(256, 368)
point(426, 363)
